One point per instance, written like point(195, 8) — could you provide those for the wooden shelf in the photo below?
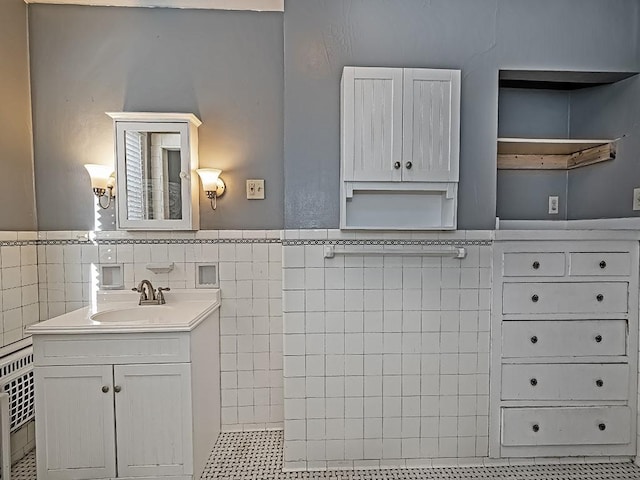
point(552, 153)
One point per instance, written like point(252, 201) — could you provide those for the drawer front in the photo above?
point(547, 264)
point(564, 338)
point(566, 426)
point(587, 297)
point(605, 263)
point(565, 382)
point(111, 348)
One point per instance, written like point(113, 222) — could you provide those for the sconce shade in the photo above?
point(209, 178)
point(100, 175)
point(212, 184)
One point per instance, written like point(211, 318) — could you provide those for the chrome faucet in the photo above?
point(149, 296)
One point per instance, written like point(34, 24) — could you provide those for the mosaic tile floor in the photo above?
point(258, 456)
point(25, 469)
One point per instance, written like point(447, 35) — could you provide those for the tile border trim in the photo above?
point(289, 243)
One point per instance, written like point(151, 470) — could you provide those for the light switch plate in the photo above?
point(636, 198)
point(255, 189)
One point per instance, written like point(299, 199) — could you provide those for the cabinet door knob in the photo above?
point(599, 297)
point(534, 339)
point(409, 165)
point(603, 264)
point(602, 426)
point(117, 389)
point(533, 382)
point(598, 338)
point(536, 265)
point(535, 427)
point(599, 383)
point(397, 165)
point(535, 298)
point(105, 389)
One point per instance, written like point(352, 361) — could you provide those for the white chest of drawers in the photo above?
point(564, 348)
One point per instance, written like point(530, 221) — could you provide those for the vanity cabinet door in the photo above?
point(75, 422)
point(153, 420)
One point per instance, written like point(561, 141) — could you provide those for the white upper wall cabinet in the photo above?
point(400, 148)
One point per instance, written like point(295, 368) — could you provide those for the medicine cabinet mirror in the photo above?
point(156, 159)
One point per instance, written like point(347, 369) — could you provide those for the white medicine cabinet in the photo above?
point(399, 148)
point(157, 155)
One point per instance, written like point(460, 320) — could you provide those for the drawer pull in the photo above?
point(603, 264)
point(599, 383)
point(535, 298)
point(536, 265)
point(534, 339)
point(598, 338)
point(533, 382)
point(599, 297)
point(105, 389)
point(535, 427)
point(602, 427)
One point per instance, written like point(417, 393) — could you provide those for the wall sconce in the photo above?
point(102, 179)
point(212, 184)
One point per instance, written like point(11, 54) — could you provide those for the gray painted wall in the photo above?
point(17, 205)
point(527, 113)
point(606, 189)
point(226, 67)
point(478, 36)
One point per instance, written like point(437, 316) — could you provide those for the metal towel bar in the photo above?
point(331, 251)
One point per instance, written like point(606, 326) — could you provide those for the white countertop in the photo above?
point(184, 310)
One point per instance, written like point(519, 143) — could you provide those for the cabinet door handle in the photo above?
point(599, 297)
point(535, 298)
point(105, 389)
point(117, 389)
point(598, 338)
point(397, 165)
point(535, 427)
point(603, 264)
point(536, 265)
point(602, 427)
point(599, 382)
point(409, 165)
point(534, 339)
point(533, 382)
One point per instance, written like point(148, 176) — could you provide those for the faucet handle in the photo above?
point(160, 295)
point(135, 289)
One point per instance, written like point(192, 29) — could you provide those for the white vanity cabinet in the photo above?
point(400, 148)
point(127, 405)
point(564, 348)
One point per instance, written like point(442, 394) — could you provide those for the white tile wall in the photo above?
point(18, 284)
point(250, 314)
point(386, 359)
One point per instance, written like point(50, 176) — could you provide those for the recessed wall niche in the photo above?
point(545, 148)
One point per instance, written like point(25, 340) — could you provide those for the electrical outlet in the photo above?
point(636, 198)
point(553, 204)
point(255, 189)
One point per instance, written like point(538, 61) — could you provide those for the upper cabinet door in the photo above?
point(431, 125)
point(372, 124)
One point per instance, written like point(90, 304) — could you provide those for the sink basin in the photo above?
point(146, 314)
